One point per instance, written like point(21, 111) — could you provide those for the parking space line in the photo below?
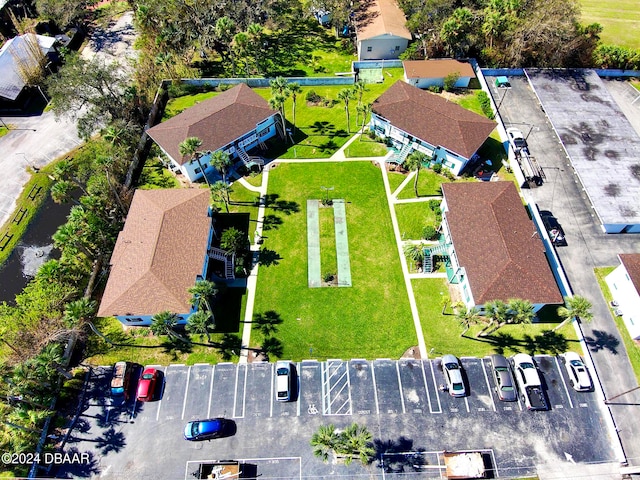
point(400, 387)
point(164, 381)
point(186, 391)
point(299, 386)
point(271, 395)
point(322, 370)
point(426, 387)
point(486, 377)
point(435, 384)
point(375, 388)
point(213, 371)
point(564, 383)
point(235, 391)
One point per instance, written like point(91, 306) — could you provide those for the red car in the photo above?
point(147, 384)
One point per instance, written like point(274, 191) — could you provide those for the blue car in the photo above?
point(208, 429)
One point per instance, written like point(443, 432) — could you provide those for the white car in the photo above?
point(453, 375)
point(284, 380)
point(578, 374)
point(517, 140)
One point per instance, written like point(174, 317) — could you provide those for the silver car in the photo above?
point(453, 375)
point(578, 375)
point(505, 386)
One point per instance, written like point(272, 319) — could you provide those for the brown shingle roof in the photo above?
point(631, 262)
point(217, 121)
point(497, 244)
point(381, 17)
point(437, 68)
point(433, 119)
point(159, 253)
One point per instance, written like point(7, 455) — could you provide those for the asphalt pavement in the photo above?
point(588, 247)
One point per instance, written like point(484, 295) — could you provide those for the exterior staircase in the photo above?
point(249, 160)
point(228, 258)
point(429, 253)
point(402, 155)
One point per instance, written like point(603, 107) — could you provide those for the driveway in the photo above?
point(588, 248)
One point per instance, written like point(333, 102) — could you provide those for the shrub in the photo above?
point(434, 204)
point(449, 174)
point(450, 81)
point(437, 167)
point(485, 104)
point(313, 97)
point(435, 88)
point(613, 56)
point(328, 276)
point(429, 232)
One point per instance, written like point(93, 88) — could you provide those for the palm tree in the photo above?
point(294, 90)
point(79, 310)
point(574, 307)
point(233, 240)
point(324, 441)
point(277, 103)
point(356, 442)
point(189, 148)
point(468, 317)
point(200, 322)
point(271, 346)
point(522, 311)
point(345, 95)
point(164, 323)
point(358, 90)
point(415, 252)
point(61, 192)
point(266, 322)
point(220, 193)
point(225, 30)
point(201, 292)
point(221, 161)
point(364, 110)
point(414, 163)
point(496, 312)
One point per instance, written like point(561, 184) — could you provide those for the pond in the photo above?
point(35, 248)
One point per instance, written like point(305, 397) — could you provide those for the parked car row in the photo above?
point(517, 375)
point(121, 382)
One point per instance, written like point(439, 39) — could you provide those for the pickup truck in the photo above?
point(227, 469)
point(529, 384)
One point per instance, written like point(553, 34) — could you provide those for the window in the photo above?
point(134, 320)
point(197, 170)
point(397, 48)
point(369, 49)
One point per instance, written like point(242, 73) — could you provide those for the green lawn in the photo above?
point(412, 218)
point(620, 19)
point(395, 180)
point(442, 332)
point(633, 350)
point(428, 185)
point(321, 130)
point(365, 147)
point(369, 320)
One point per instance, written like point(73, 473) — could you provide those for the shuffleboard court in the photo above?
point(342, 243)
point(313, 243)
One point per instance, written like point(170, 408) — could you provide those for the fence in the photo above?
point(265, 82)
point(363, 64)
point(518, 72)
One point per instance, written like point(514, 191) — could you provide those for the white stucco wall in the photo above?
point(628, 299)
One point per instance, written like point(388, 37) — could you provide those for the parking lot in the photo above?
point(400, 402)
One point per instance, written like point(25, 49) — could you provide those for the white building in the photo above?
point(624, 284)
point(380, 31)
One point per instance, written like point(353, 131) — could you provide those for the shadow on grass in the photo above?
point(267, 322)
point(267, 257)
point(274, 202)
point(546, 342)
point(271, 222)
